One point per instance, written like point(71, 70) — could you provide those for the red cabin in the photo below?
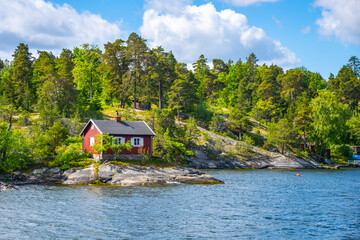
point(137, 132)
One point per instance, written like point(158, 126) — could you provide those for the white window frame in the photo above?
point(92, 141)
point(92, 126)
point(118, 140)
point(137, 141)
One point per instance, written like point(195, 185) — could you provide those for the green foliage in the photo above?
point(281, 134)
point(265, 109)
point(87, 60)
point(14, 150)
point(256, 138)
point(240, 122)
point(249, 142)
point(202, 111)
point(67, 154)
point(165, 123)
point(70, 155)
point(182, 95)
point(67, 89)
point(170, 149)
point(117, 148)
point(354, 129)
point(47, 143)
point(24, 118)
point(105, 142)
point(329, 117)
point(191, 132)
point(343, 150)
point(114, 67)
point(76, 85)
point(215, 123)
point(17, 84)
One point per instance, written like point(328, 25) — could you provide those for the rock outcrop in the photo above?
point(218, 152)
point(6, 186)
point(134, 175)
point(114, 174)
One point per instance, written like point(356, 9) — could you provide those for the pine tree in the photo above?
point(48, 92)
point(67, 87)
point(182, 95)
point(114, 67)
point(136, 52)
point(18, 88)
point(87, 60)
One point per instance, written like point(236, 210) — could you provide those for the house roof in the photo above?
point(113, 127)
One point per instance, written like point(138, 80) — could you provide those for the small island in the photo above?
point(131, 115)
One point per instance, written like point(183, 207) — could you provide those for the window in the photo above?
point(92, 126)
point(137, 142)
point(118, 140)
point(92, 141)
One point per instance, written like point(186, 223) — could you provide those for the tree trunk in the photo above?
point(91, 86)
point(10, 120)
point(134, 105)
point(178, 113)
point(161, 98)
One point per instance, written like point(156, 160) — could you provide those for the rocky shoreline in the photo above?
point(112, 174)
point(6, 186)
point(201, 160)
point(219, 152)
point(135, 175)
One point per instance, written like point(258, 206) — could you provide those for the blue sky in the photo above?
point(318, 34)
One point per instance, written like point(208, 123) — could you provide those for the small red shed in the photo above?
point(137, 132)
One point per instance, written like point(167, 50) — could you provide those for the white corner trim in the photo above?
point(149, 128)
point(96, 126)
point(90, 121)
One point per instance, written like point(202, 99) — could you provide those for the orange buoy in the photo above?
point(298, 175)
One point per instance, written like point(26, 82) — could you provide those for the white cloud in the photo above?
point(203, 30)
point(246, 2)
point(306, 30)
point(341, 19)
point(45, 26)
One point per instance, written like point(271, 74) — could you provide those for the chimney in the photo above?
point(117, 118)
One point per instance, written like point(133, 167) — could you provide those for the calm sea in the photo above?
point(253, 204)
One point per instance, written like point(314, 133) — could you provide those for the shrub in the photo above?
point(201, 111)
point(249, 142)
point(68, 156)
point(257, 138)
point(343, 150)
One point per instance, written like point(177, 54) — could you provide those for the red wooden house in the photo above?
point(137, 132)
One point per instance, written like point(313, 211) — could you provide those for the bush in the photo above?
point(201, 111)
point(68, 156)
point(249, 142)
point(343, 150)
point(257, 139)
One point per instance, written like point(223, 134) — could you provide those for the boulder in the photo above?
point(149, 176)
point(6, 186)
point(107, 171)
point(86, 175)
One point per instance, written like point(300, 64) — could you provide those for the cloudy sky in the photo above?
point(318, 34)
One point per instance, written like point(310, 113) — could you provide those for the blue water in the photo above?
point(253, 204)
